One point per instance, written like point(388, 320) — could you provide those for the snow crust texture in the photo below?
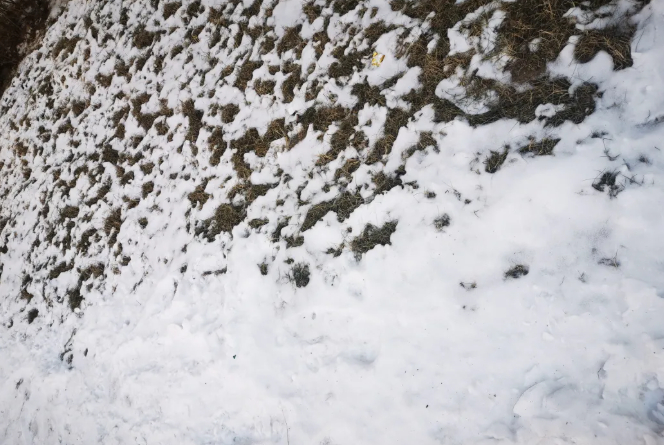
point(220, 224)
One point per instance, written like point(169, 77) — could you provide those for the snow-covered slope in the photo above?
point(221, 224)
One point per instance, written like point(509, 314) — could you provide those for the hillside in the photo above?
point(221, 223)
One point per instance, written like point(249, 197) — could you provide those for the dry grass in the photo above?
point(225, 218)
point(346, 64)
point(228, 113)
point(371, 237)
point(542, 148)
point(263, 87)
point(521, 105)
point(294, 241)
point(249, 191)
point(281, 224)
point(299, 274)
point(257, 223)
point(368, 94)
point(441, 222)
point(147, 188)
point(517, 271)
point(347, 170)
point(60, 269)
point(246, 73)
point(195, 120)
point(199, 197)
point(340, 140)
point(292, 41)
point(143, 38)
point(311, 11)
point(170, 9)
point(217, 145)
point(321, 118)
point(112, 225)
point(343, 206)
point(252, 141)
point(614, 40)
point(384, 183)
point(607, 180)
point(291, 82)
point(495, 159)
point(396, 118)
point(70, 212)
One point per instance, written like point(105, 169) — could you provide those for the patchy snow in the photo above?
point(518, 307)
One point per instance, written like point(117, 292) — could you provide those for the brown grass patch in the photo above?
point(371, 237)
point(384, 183)
point(217, 145)
point(198, 197)
point(368, 94)
point(170, 9)
point(257, 223)
point(292, 41)
point(396, 118)
point(252, 141)
point(495, 160)
point(112, 225)
point(517, 271)
point(70, 212)
point(291, 82)
point(225, 218)
point(340, 139)
point(147, 188)
point(250, 191)
point(616, 41)
point(299, 275)
point(263, 87)
point(60, 269)
point(343, 206)
point(347, 170)
point(375, 30)
point(522, 105)
point(195, 120)
point(311, 11)
point(542, 148)
point(246, 73)
point(142, 38)
point(321, 118)
point(346, 64)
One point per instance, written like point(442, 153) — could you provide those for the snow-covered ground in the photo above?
point(220, 224)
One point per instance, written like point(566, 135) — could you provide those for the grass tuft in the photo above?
point(517, 271)
point(371, 237)
point(543, 148)
point(299, 274)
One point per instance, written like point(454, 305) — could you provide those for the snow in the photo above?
point(396, 347)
